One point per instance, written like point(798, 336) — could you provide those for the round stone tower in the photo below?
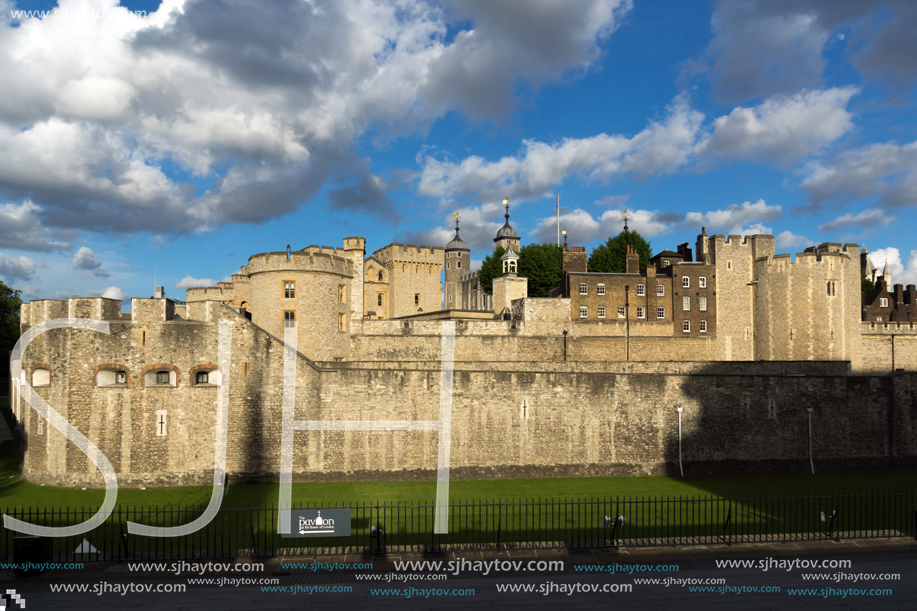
point(458, 264)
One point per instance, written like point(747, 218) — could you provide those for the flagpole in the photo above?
point(558, 219)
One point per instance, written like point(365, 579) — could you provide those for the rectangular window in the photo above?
point(600, 290)
point(660, 290)
point(583, 312)
point(641, 312)
point(620, 311)
point(289, 290)
point(883, 302)
point(379, 300)
point(601, 311)
point(686, 326)
point(686, 304)
point(417, 299)
point(703, 326)
point(289, 318)
point(660, 313)
point(831, 287)
point(665, 263)
point(703, 304)
point(702, 282)
point(342, 321)
point(685, 282)
point(641, 290)
point(342, 294)
point(583, 288)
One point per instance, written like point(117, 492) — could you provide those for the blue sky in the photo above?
point(186, 136)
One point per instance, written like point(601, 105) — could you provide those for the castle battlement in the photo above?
point(209, 293)
point(300, 261)
point(411, 253)
point(888, 328)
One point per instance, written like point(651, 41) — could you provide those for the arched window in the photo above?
point(380, 276)
point(160, 377)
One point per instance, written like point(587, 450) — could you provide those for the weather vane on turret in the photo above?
point(625, 219)
point(456, 217)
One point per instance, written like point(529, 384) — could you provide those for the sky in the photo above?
point(147, 142)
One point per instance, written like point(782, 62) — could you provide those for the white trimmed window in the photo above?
point(660, 313)
point(641, 290)
point(703, 326)
point(583, 312)
point(620, 311)
point(601, 311)
point(641, 312)
point(686, 326)
point(600, 289)
point(883, 302)
point(583, 288)
point(702, 282)
point(660, 290)
point(685, 282)
point(703, 304)
point(665, 264)
point(686, 303)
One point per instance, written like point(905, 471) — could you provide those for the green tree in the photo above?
point(865, 283)
point(543, 265)
point(491, 267)
point(9, 317)
point(609, 257)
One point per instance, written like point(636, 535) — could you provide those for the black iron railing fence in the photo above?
point(507, 524)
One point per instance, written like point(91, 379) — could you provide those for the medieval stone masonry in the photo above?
point(585, 382)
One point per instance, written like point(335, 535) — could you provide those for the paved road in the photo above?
point(696, 563)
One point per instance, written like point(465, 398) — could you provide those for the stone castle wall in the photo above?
point(592, 419)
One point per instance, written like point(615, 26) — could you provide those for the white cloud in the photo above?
point(887, 170)
point(901, 274)
point(114, 292)
point(22, 268)
point(783, 129)
point(582, 227)
point(732, 219)
point(85, 259)
point(478, 226)
point(660, 148)
point(21, 228)
point(866, 218)
point(268, 99)
point(189, 282)
point(613, 200)
point(787, 240)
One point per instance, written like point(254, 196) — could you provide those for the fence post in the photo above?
point(726, 534)
point(499, 522)
point(251, 528)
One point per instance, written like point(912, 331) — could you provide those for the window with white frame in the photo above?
point(665, 263)
point(583, 312)
point(686, 326)
point(660, 290)
point(660, 313)
point(703, 304)
point(641, 290)
point(583, 288)
point(686, 303)
point(702, 282)
point(641, 312)
point(703, 326)
point(685, 282)
point(600, 289)
point(620, 311)
point(883, 302)
point(601, 311)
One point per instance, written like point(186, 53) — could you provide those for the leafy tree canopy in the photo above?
point(9, 317)
point(491, 268)
point(543, 265)
point(609, 257)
